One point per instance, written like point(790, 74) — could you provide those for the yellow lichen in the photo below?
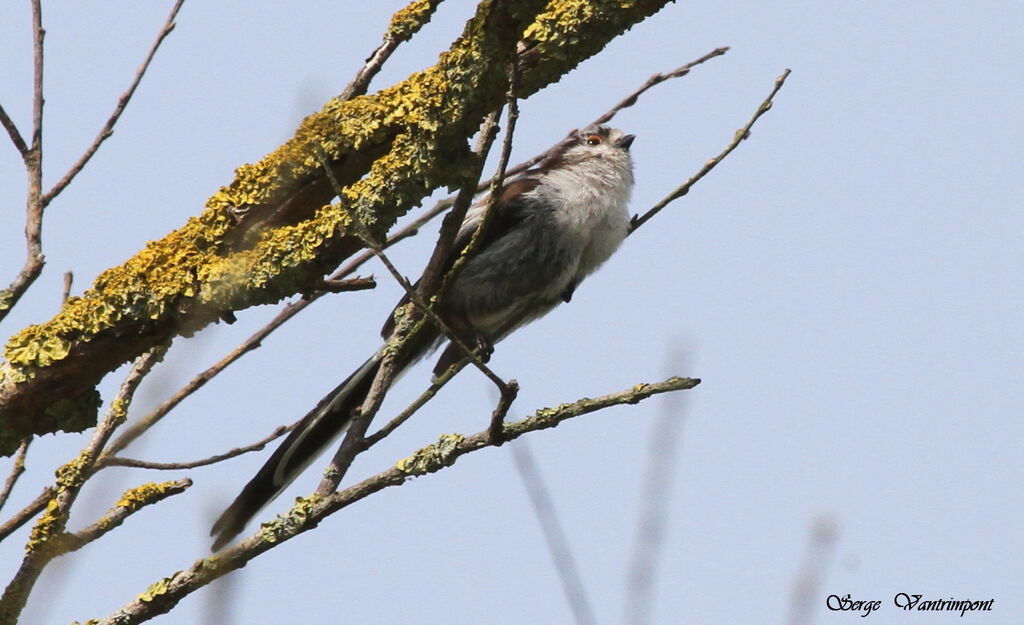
point(287, 524)
point(406, 22)
point(144, 494)
point(432, 457)
point(49, 525)
point(157, 589)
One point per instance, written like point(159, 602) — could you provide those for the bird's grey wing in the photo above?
point(508, 213)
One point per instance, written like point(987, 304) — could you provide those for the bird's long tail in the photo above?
point(314, 433)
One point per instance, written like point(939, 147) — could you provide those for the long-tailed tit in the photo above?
point(550, 228)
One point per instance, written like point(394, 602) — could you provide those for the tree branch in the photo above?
point(655, 496)
point(626, 102)
point(738, 137)
point(16, 470)
point(38, 34)
point(436, 385)
point(404, 24)
point(48, 535)
point(25, 514)
point(12, 132)
point(554, 535)
point(162, 596)
point(118, 461)
point(131, 502)
point(657, 79)
point(122, 102)
point(33, 158)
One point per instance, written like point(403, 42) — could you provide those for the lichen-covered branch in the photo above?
point(270, 233)
point(49, 538)
point(163, 595)
point(131, 501)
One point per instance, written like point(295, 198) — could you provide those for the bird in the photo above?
point(549, 228)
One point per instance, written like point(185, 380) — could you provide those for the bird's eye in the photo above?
point(593, 140)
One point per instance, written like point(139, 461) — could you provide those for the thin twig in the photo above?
point(118, 461)
point(12, 132)
point(738, 137)
point(69, 278)
point(657, 79)
point(122, 102)
point(509, 390)
point(343, 286)
point(396, 34)
point(38, 504)
point(352, 445)
point(309, 512)
point(38, 34)
point(554, 534)
point(436, 385)
point(626, 102)
point(508, 395)
point(655, 496)
point(16, 470)
point(806, 592)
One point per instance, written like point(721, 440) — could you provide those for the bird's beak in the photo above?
point(625, 142)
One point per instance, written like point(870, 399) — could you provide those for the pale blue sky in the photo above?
point(847, 284)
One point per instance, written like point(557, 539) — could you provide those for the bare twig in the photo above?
point(118, 461)
point(309, 512)
point(554, 534)
point(508, 390)
point(12, 132)
point(404, 24)
point(352, 445)
point(16, 470)
point(122, 102)
point(806, 597)
point(38, 34)
point(435, 386)
point(69, 278)
point(508, 395)
point(657, 79)
point(626, 102)
point(342, 286)
point(655, 496)
point(738, 137)
point(12, 524)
